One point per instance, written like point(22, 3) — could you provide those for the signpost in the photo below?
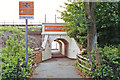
point(26, 11)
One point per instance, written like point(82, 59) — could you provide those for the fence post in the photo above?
point(98, 58)
point(90, 64)
point(39, 57)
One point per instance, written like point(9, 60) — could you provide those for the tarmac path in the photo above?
point(56, 68)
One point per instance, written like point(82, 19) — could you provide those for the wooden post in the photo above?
point(13, 22)
point(45, 18)
point(4, 22)
point(98, 56)
point(55, 19)
point(38, 57)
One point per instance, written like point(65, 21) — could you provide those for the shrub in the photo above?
point(110, 64)
point(13, 58)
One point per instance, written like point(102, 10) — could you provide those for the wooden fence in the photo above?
point(36, 58)
point(84, 63)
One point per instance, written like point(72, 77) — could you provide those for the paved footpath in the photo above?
point(56, 68)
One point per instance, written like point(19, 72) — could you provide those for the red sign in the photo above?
point(26, 9)
point(55, 28)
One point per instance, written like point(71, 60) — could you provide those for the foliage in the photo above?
point(107, 22)
point(13, 57)
point(11, 29)
point(110, 64)
point(74, 15)
point(76, 64)
point(109, 67)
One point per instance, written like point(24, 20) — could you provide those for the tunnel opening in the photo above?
point(59, 48)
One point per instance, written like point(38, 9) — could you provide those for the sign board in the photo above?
point(55, 28)
point(26, 10)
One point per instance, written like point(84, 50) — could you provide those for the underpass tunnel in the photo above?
point(55, 46)
point(60, 46)
point(60, 49)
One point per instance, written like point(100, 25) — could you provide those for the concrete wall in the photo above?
point(62, 48)
point(74, 49)
point(46, 54)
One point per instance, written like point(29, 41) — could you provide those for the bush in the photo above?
point(13, 59)
point(110, 64)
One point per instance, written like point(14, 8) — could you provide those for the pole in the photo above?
point(26, 42)
point(45, 18)
point(55, 18)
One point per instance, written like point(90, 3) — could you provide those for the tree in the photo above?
point(74, 15)
point(108, 21)
point(90, 9)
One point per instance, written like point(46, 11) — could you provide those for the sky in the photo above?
point(9, 10)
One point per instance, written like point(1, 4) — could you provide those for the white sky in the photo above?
point(9, 10)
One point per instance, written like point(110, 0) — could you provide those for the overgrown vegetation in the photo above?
point(13, 56)
point(110, 64)
point(11, 29)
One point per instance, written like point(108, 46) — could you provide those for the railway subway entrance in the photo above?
point(56, 42)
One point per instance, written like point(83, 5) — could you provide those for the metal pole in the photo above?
point(26, 42)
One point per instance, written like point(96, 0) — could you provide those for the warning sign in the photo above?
point(26, 10)
point(55, 28)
